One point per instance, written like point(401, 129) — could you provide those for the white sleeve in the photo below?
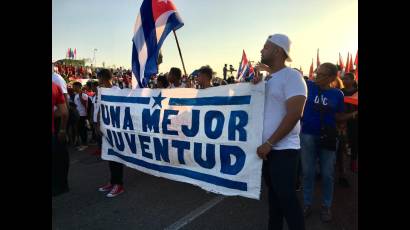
point(63, 86)
point(295, 85)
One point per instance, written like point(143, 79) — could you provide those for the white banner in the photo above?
point(204, 137)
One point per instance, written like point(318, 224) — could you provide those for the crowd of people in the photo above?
point(308, 128)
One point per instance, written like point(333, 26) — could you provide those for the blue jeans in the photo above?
point(310, 151)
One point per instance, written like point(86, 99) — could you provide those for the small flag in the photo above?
point(347, 69)
point(317, 59)
point(356, 59)
point(351, 63)
point(342, 66)
point(245, 70)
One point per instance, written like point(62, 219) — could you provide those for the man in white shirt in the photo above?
point(81, 101)
point(285, 97)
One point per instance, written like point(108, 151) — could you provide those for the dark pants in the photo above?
point(60, 165)
point(299, 172)
point(116, 170)
point(279, 173)
point(82, 130)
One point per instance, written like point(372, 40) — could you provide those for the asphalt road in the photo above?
point(150, 202)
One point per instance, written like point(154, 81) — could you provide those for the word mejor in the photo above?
point(150, 123)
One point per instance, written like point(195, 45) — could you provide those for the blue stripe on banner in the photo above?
point(233, 100)
point(136, 100)
point(184, 172)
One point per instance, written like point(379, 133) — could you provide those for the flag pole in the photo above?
point(180, 54)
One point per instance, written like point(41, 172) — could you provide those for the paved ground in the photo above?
point(155, 203)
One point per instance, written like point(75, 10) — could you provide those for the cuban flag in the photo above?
point(157, 18)
point(245, 70)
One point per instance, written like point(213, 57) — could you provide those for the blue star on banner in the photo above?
point(157, 100)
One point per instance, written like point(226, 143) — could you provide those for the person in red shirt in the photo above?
point(58, 100)
point(60, 160)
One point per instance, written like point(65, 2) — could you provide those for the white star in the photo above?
point(166, 1)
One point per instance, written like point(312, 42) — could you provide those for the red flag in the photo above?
point(75, 52)
point(347, 69)
point(351, 63)
point(342, 66)
point(68, 53)
point(311, 71)
point(317, 59)
point(356, 74)
point(356, 59)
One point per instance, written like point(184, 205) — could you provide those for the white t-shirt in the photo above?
point(282, 85)
point(80, 107)
point(59, 80)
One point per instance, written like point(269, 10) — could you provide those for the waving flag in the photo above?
point(75, 52)
point(356, 62)
point(351, 63)
point(245, 70)
point(156, 19)
point(311, 71)
point(341, 62)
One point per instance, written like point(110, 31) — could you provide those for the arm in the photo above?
point(294, 111)
point(63, 111)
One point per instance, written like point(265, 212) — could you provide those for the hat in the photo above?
point(282, 41)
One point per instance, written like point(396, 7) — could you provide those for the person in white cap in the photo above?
point(285, 98)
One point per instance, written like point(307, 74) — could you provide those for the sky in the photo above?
point(214, 33)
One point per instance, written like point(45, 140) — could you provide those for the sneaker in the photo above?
point(307, 210)
point(325, 214)
point(106, 188)
point(116, 190)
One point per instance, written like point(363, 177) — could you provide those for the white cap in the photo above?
point(282, 41)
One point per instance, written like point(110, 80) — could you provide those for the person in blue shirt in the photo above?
point(321, 97)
